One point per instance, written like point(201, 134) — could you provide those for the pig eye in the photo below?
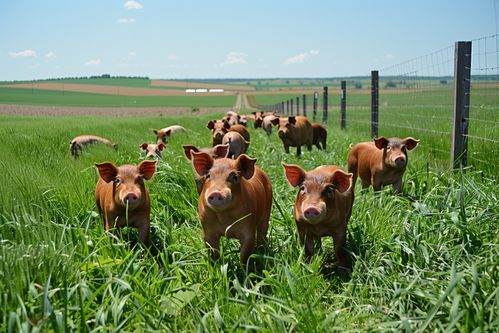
point(233, 178)
point(117, 181)
point(329, 191)
point(302, 188)
point(404, 149)
point(388, 148)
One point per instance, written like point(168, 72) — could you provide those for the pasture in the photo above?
point(426, 260)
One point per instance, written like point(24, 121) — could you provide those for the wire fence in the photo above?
point(419, 97)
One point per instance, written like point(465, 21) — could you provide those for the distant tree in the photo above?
point(443, 81)
point(390, 84)
point(358, 85)
point(287, 82)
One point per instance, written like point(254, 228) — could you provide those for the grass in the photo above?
point(424, 261)
point(65, 98)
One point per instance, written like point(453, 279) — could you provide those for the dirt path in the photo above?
point(40, 110)
point(246, 105)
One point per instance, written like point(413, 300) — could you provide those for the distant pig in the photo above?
point(295, 132)
point(320, 136)
point(219, 151)
point(267, 123)
point(236, 142)
point(163, 134)
point(322, 208)
point(220, 127)
point(235, 202)
point(243, 120)
point(78, 143)
point(382, 162)
point(120, 190)
point(153, 150)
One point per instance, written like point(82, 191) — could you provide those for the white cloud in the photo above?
point(300, 58)
point(132, 54)
point(130, 5)
point(389, 56)
point(126, 20)
point(172, 57)
point(93, 62)
point(23, 54)
point(235, 58)
point(50, 55)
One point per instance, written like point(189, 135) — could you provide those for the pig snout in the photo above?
point(400, 161)
point(281, 133)
point(131, 199)
point(217, 198)
point(313, 213)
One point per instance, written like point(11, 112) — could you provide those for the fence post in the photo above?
point(460, 118)
point(297, 105)
point(324, 106)
point(287, 107)
point(304, 105)
point(374, 103)
point(316, 97)
point(343, 95)
point(282, 108)
point(291, 106)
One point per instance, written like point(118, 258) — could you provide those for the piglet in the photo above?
point(153, 150)
point(322, 208)
point(162, 135)
point(236, 142)
point(120, 190)
point(235, 202)
point(267, 123)
point(382, 162)
point(220, 127)
point(320, 136)
point(219, 151)
point(78, 143)
point(295, 132)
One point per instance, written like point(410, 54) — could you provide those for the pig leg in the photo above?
point(397, 186)
point(213, 244)
point(144, 231)
point(247, 248)
point(261, 232)
point(286, 148)
point(342, 256)
point(298, 150)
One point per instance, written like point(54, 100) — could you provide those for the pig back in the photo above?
point(302, 132)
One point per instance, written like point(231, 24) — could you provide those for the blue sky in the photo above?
point(229, 39)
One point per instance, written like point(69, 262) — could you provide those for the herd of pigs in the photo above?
point(235, 196)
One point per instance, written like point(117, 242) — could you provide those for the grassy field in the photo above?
point(426, 260)
point(65, 98)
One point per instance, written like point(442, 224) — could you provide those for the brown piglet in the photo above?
point(295, 132)
point(152, 150)
point(162, 135)
point(320, 136)
point(382, 162)
point(219, 151)
point(121, 190)
point(322, 208)
point(236, 142)
point(78, 143)
point(235, 202)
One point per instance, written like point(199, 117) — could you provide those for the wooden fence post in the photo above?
point(343, 104)
point(324, 106)
point(291, 106)
point(287, 107)
point(304, 105)
point(374, 103)
point(460, 118)
point(297, 105)
point(316, 97)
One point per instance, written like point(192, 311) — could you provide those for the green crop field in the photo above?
point(426, 260)
point(65, 98)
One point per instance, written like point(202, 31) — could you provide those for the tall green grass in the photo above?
point(426, 260)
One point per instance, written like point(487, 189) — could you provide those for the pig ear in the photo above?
point(107, 171)
point(144, 146)
point(147, 169)
point(342, 180)
point(161, 146)
point(226, 124)
point(294, 174)
point(275, 121)
point(167, 133)
point(246, 165)
point(202, 163)
point(155, 131)
point(410, 143)
point(211, 124)
point(292, 120)
point(381, 142)
point(221, 151)
point(187, 151)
